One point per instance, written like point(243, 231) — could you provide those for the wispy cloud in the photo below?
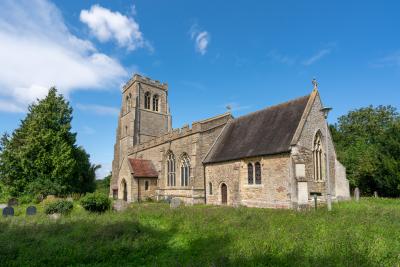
point(107, 25)
point(7, 106)
point(390, 60)
point(104, 170)
point(99, 109)
point(283, 59)
point(201, 38)
point(317, 56)
point(234, 106)
point(40, 52)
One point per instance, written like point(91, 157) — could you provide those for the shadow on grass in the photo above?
point(129, 243)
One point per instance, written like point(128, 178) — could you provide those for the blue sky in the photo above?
point(248, 54)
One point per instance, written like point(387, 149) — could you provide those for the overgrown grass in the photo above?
point(353, 234)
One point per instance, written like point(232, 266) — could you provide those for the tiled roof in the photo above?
point(265, 132)
point(143, 168)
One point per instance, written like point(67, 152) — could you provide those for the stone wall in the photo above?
point(144, 194)
point(273, 192)
point(302, 151)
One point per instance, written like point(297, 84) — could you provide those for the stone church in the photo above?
point(277, 157)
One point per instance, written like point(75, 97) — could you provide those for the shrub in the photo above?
point(95, 202)
point(59, 206)
point(25, 199)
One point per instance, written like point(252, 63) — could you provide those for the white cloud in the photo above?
point(390, 60)
point(317, 56)
point(99, 109)
point(10, 107)
point(106, 25)
point(201, 38)
point(88, 130)
point(38, 51)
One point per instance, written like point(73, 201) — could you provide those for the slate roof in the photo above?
point(143, 168)
point(265, 132)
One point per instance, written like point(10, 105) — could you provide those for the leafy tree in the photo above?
point(41, 156)
point(367, 143)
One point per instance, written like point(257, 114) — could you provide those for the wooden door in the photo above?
point(224, 194)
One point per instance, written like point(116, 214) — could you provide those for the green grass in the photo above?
point(353, 234)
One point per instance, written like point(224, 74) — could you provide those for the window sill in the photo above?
point(253, 186)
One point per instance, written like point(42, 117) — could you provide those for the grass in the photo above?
point(151, 234)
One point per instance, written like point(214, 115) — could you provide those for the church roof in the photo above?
point(143, 168)
point(265, 132)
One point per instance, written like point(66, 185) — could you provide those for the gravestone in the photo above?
point(2, 206)
point(31, 210)
point(375, 194)
point(175, 203)
point(8, 211)
point(12, 202)
point(357, 194)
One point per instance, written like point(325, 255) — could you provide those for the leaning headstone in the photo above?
point(8, 211)
point(55, 216)
point(357, 194)
point(31, 210)
point(12, 202)
point(175, 203)
point(2, 206)
point(120, 205)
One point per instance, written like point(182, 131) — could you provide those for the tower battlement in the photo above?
point(143, 79)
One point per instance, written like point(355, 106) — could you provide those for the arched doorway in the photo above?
point(224, 194)
point(124, 190)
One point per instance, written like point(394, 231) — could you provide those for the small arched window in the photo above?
point(210, 188)
point(257, 167)
point(171, 169)
point(155, 103)
point(147, 100)
point(185, 170)
point(146, 185)
point(250, 175)
point(318, 157)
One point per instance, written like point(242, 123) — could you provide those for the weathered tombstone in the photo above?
point(55, 216)
point(120, 205)
point(175, 203)
point(315, 201)
point(12, 202)
point(8, 211)
point(2, 206)
point(31, 210)
point(375, 194)
point(357, 194)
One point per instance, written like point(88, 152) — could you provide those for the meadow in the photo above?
point(366, 233)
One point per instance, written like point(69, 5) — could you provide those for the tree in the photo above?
point(366, 143)
point(41, 156)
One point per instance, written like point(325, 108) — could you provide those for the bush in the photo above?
point(25, 199)
point(59, 206)
point(95, 202)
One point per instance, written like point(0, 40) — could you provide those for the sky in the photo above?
point(247, 54)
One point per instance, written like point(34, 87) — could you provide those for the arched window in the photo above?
point(257, 167)
point(147, 100)
point(210, 188)
point(146, 185)
point(250, 172)
point(185, 170)
point(128, 102)
point(155, 103)
point(318, 157)
point(171, 169)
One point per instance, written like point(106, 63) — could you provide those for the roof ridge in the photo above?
point(271, 107)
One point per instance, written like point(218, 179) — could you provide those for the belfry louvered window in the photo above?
point(147, 100)
point(155, 103)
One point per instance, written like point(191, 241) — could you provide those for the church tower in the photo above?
point(144, 115)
